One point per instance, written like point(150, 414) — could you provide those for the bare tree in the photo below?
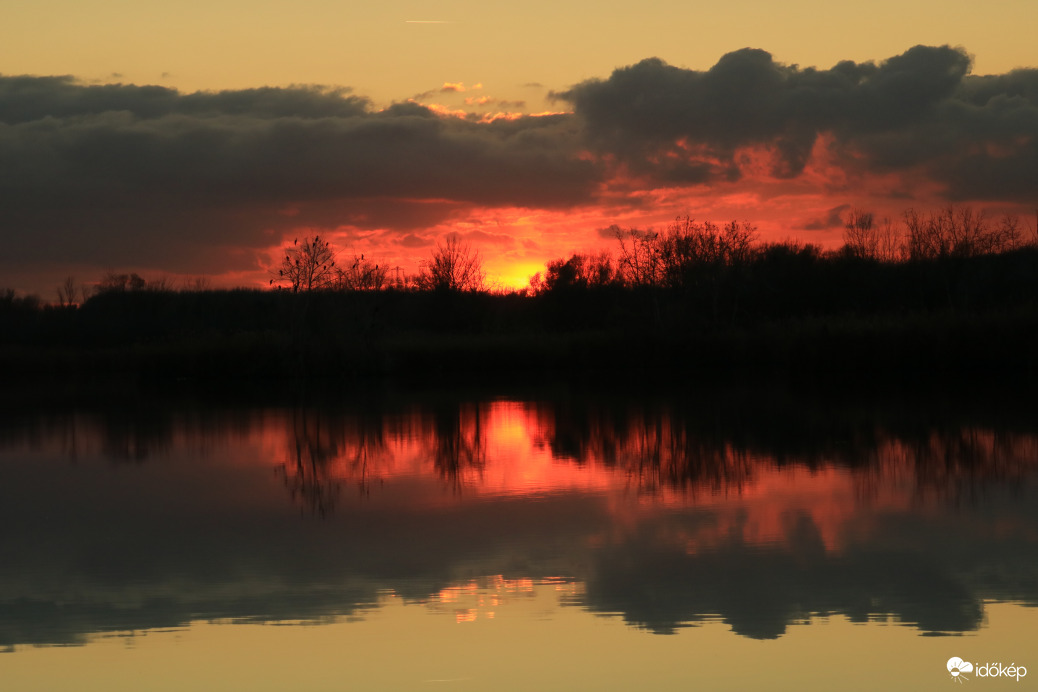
point(639, 263)
point(1008, 233)
point(67, 292)
point(686, 248)
point(454, 267)
point(926, 237)
point(860, 236)
point(309, 266)
point(361, 275)
point(162, 284)
point(120, 282)
point(891, 245)
point(198, 284)
point(960, 232)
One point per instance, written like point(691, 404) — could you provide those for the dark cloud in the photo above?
point(394, 214)
point(748, 98)
point(833, 219)
point(29, 98)
point(120, 173)
point(149, 177)
point(920, 110)
point(413, 241)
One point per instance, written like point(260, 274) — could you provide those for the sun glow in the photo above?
point(517, 275)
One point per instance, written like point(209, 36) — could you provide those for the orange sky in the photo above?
point(526, 131)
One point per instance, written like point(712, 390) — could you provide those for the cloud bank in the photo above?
point(123, 173)
point(920, 111)
point(146, 176)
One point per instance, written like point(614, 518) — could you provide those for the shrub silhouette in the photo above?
point(454, 267)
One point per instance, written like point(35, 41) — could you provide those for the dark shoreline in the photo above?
point(927, 350)
point(794, 320)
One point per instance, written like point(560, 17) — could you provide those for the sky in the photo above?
point(193, 139)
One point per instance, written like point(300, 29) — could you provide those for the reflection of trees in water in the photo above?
point(306, 473)
point(953, 463)
point(760, 590)
point(660, 452)
point(122, 435)
point(458, 442)
point(60, 430)
point(655, 451)
point(702, 442)
point(127, 431)
point(652, 443)
point(135, 436)
point(713, 446)
point(328, 450)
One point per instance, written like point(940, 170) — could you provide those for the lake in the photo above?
point(548, 539)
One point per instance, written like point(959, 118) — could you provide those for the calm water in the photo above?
point(558, 542)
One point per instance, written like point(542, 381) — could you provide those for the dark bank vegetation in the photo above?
point(951, 293)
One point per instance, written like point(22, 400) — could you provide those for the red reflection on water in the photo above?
point(642, 464)
point(637, 460)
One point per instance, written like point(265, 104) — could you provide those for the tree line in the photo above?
point(686, 254)
point(943, 291)
point(313, 266)
point(690, 252)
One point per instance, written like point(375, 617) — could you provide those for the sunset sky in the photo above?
point(195, 138)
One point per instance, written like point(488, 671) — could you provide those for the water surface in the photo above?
point(561, 541)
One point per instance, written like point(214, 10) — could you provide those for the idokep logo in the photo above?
point(958, 668)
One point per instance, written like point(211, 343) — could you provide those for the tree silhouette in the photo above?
point(309, 266)
point(112, 282)
point(361, 275)
point(860, 236)
point(67, 292)
point(580, 271)
point(454, 267)
point(959, 232)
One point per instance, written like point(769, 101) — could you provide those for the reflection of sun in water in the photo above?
point(480, 599)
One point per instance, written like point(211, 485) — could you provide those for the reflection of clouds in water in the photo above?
point(760, 589)
point(669, 516)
